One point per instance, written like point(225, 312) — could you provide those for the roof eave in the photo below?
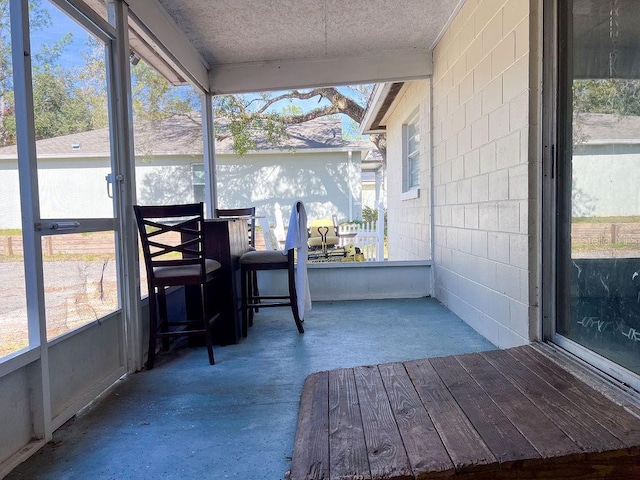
point(382, 98)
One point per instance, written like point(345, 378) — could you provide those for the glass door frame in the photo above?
point(556, 182)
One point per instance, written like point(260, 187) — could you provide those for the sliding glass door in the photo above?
point(597, 183)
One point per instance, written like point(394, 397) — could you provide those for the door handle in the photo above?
point(109, 179)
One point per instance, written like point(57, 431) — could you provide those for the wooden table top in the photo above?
point(512, 414)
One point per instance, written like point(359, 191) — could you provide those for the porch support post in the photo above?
point(121, 123)
point(30, 205)
point(209, 156)
point(380, 233)
point(380, 207)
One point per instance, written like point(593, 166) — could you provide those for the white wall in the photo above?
point(356, 280)
point(82, 365)
point(605, 183)
point(10, 212)
point(481, 169)
point(328, 182)
point(409, 219)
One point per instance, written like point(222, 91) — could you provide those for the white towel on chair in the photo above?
point(297, 238)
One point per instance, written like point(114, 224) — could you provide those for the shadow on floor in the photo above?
point(236, 420)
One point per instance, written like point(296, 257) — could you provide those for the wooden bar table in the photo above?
point(225, 240)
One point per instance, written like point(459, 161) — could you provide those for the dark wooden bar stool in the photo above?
point(262, 260)
point(173, 248)
point(249, 212)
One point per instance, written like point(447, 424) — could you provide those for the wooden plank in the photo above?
point(616, 468)
point(465, 447)
point(618, 421)
point(347, 448)
point(541, 432)
point(387, 456)
point(503, 439)
point(590, 436)
point(311, 447)
point(426, 452)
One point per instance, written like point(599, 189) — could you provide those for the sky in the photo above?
point(61, 25)
point(71, 57)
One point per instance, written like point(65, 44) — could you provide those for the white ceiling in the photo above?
point(250, 45)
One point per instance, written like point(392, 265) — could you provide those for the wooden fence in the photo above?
point(605, 234)
point(69, 244)
point(366, 236)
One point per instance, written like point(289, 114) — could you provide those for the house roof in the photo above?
point(380, 101)
point(182, 134)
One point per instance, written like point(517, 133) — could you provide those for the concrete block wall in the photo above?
point(409, 219)
point(481, 169)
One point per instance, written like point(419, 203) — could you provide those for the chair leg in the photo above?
point(163, 318)
point(244, 280)
point(206, 322)
point(253, 295)
point(256, 293)
point(293, 298)
point(153, 327)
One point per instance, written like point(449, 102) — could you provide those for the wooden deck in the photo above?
point(512, 414)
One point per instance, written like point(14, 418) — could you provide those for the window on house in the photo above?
point(197, 171)
point(411, 154)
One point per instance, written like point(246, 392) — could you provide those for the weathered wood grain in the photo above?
point(426, 452)
point(496, 430)
point(347, 449)
point(619, 422)
point(466, 449)
point(311, 447)
point(387, 456)
point(590, 436)
point(443, 418)
point(536, 427)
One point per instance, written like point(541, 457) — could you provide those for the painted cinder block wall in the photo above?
point(409, 219)
point(481, 130)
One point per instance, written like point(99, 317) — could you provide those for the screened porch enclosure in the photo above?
point(498, 117)
point(74, 314)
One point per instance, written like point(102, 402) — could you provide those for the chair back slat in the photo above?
point(242, 212)
point(171, 236)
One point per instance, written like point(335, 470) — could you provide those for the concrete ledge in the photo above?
point(358, 280)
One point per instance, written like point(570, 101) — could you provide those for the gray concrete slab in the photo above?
point(236, 420)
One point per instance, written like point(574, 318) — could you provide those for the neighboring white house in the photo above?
point(315, 164)
point(608, 149)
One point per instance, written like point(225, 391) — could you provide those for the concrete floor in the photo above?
point(236, 420)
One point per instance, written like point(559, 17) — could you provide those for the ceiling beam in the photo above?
point(165, 37)
point(306, 73)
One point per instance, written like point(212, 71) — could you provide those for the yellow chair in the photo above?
point(323, 234)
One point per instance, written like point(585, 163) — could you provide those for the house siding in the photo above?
point(409, 220)
point(481, 170)
point(328, 182)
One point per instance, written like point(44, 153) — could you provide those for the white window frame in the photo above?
point(411, 157)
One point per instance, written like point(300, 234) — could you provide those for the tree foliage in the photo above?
point(154, 98)
point(58, 108)
point(613, 96)
point(605, 96)
point(272, 112)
